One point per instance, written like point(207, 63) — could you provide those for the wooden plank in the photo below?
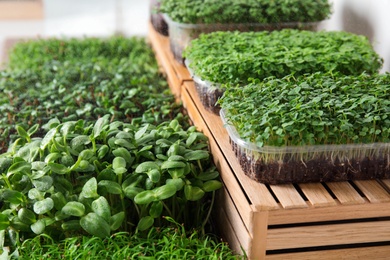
point(386, 183)
point(340, 212)
point(374, 192)
point(288, 196)
point(317, 195)
point(31, 10)
point(212, 126)
point(258, 245)
point(372, 252)
point(228, 234)
point(345, 193)
point(226, 205)
point(224, 169)
point(327, 235)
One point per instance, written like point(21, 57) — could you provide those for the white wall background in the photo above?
point(366, 17)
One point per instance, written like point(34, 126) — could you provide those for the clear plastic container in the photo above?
point(180, 34)
point(157, 19)
point(208, 92)
point(311, 163)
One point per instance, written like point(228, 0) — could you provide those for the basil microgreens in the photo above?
point(241, 57)
point(248, 11)
point(97, 178)
point(311, 109)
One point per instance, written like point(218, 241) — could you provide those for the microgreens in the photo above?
point(312, 109)
point(241, 57)
point(98, 178)
point(248, 11)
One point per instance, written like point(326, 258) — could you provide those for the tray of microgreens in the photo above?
point(219, 58)
point(187, 19)
point(312, 128)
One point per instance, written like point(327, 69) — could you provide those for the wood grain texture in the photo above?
point(327, 235)
point(317, 195)
point(363, 253)
point(345, 193)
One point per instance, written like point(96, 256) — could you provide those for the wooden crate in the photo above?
point(21, 9)
point(344, 220)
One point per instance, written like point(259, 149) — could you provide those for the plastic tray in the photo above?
point(157, 19)
point(180, 34)
point(208, 92)
point(311, 163)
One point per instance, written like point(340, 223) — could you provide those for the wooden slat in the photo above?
point(327, 235)
point(212, 126)
point(386, 182)
point(225, 208)
point(372, 252)
point(288, 196)
point(345, 193)
point(374, 192)
point(317, 195)
point(340, 212)
point(228, 233)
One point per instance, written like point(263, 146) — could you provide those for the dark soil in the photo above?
point(320, 169)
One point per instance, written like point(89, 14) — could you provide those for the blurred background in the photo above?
point(77, 18)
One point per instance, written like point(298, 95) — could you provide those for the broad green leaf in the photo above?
point(146, 166)
point(4, 221)
point(197, 155)
point(99, 126)
point(124, 143)
point(20, 166)
point(43, 206)
point(101, 207)
point(71, 225)
point(26, 216)
point(22, 132)
point(141, 132)
point(125, 154)
point(43, 184)
point(145, 197)
point(178, 183)
point(95, 225)
point(206, 176)
point(13, 196)
point(18, 225)
point(103, 150)
point(38, 227)
point(35, 194)
point(67, 127)
point(193, 193)
point(86, 154)
point(117, 220)
point(48, 138)
point(131, 192)
point(74, 208)
point(90, 189)
point(111, 186)
point(211, 185)
point(164, 192)
point(154, 175)
point(33, 129)
point(59, 200)
point(172, 165)
point(119, 165)
point(58, 168)
point(145, 223)
point(5, 163)
point(156, 209)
